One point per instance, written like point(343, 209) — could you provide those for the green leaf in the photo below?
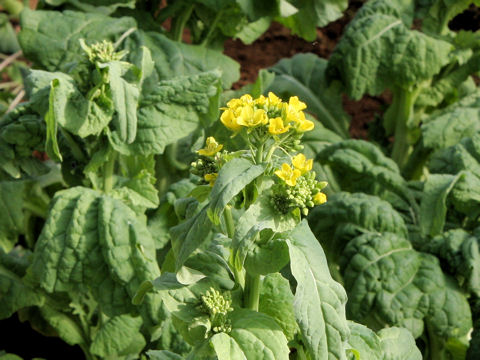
point(190, 235)
point(378, 50)
point(448, 126)
point(104, 6)
point(436, 14)
point(312, 14)
point(232, 178)
point(125, 96)
point(12, 195)
point(163, 355)
point(276, 300)
point(173, 59)
point(8, 37)
point(254, 335)
point(304, 76)
point(319, 304)
point(433, 208)
point(50, 39)
point(68, 330)
point(71, 110)
point(185, 99)
point(90, 238)
point(14, 293)
point(119, 336)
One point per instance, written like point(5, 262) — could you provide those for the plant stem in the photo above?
point(180, 23)
point(252, 291)
point(403, 106)
point(76, 151)
point(35, 209)
point(207, 37)
point(259, 155)
point(108, 173)
point(227, 216)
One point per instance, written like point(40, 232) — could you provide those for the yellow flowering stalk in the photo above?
point(211, 148)
point(301, 163)
point(276, 126)
point(211, 178)
point(287, 174)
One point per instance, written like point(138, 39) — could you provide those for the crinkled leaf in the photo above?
point(436, 14)
point(104, 6)
point(319, 304)
point(378, 50)
point(186, 100)
point(448, 126)
point(90, 238)
point(398, 344)
point(163, 355)
point(51, 38)
point(120, 335)
point(232, 178)
point(173, 59)
point(304, 76)
point(254, 335)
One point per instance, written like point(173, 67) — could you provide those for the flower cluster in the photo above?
point(102, 52)
point(218, 305)
point(299, 188)
point(268, 114)
point(208, 165)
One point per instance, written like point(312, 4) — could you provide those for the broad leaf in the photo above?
point(304, 76)
point(12, 194)
point(378, 50)
point(319, 304)
point(90, 238)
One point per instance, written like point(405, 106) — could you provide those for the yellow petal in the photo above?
point(296, 104)
point(305, 125)
point(211, 178)
point(246, 116)
point(229, 120)
point(276, 126)
point(211, 148)
point(301, 163)
point(319, 198)
point(273, 100)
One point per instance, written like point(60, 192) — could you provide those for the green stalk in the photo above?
point(76, 151)
point(227, 216)
point(180, 22)
point(207, 37)
point(252, 291)
point(259, 155)
point(403, 102)
point(36, 209)
point(109, 167)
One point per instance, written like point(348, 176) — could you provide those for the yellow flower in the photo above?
point(301, 163)
point(234, 103)
point(211, 148)
point(276, 126)
point(211, 178)
point(250, 118)
point(229, 120)
point(319, 198)
point(246, 99)
point(288, 174)
point(262, 100)
point(305, 125)
point(296, 104)
point(273, 100)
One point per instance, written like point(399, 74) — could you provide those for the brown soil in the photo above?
point(278, 43)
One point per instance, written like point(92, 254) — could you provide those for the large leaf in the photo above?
point(51, 38)
point(304, 76)
point(90, 238)
point(378, 50)
point(173, 59)
point(319, 304)
point(173, 110)
point(120, 335)
point(254, 335)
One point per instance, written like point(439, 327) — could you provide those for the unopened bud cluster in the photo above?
point(102, 52)
point(208, 165)
point(218, 305)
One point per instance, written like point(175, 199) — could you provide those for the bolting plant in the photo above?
point(245, 277)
